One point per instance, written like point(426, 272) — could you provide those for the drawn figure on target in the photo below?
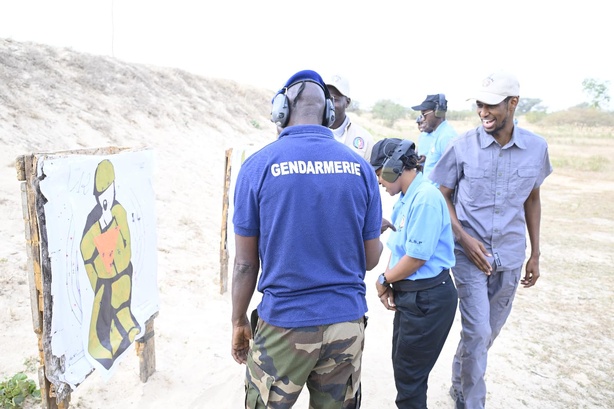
point(105, 248)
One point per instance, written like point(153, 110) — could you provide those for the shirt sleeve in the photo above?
point(373, 220)
point(445, 173)
point(246, 207)
point(546, 169)
point(424, 229)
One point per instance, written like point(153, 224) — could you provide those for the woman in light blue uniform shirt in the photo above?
point(416, 284)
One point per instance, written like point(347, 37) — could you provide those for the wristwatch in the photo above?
point(382, 280)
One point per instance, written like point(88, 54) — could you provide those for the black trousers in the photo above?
point(421, 325)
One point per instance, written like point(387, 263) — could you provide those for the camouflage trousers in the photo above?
point(326, 358)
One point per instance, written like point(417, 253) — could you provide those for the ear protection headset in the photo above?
point(441, 106)
point(393, 165)
point(280, 112)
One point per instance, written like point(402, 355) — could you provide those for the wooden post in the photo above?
point(224, 232)
point(26, 174)
point(146, 350)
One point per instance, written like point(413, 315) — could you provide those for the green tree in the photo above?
point(526, 104)
point(388, 111)
point(597, 91)
point(354, 107)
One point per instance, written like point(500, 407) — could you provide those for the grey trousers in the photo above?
point(485, 303)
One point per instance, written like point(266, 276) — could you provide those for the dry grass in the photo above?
point(557, 350)
point(111, 100)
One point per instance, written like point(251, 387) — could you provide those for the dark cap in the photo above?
point(429, 103)
point(383, 149)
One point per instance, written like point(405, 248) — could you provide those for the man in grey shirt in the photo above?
point(495, 171)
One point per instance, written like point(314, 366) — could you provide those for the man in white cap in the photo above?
point(496, 172)
point(344, 130)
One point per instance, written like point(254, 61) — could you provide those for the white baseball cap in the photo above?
point(496, 87)
point(339, 82)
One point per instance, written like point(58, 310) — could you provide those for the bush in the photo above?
point(14, 391)
point(461, 115)
point(579, 116)
point(535, 116)
point(388, 111)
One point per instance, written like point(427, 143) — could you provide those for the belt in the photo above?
point(423, 284)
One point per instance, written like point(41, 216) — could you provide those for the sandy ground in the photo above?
point(556, 351)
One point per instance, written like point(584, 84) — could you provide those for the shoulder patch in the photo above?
point(358, 143)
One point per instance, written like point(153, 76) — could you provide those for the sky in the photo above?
point(400, 50)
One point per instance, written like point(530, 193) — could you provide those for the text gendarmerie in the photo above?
point(315, 167)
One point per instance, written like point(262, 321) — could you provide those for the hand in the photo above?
point(241, 334)
point(387, 225)
point(386, 296)
point(476, 252)
point(531, 272)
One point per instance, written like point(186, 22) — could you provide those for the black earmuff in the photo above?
point(393, 165)
point(329, 111)
point(441, 106)
point(280, 111)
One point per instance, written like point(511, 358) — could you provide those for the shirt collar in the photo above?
point(440, 128)
point(339, 132)
point(302, 129)
point(411, 190)
point(518, 138)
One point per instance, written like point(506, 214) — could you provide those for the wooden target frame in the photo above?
point(55, 394)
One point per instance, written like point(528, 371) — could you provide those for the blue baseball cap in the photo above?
point(302, 76)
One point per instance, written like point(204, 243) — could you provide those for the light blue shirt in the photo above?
point(425, 140)
point(423, 229)
point(439, 140)
point(492, 183)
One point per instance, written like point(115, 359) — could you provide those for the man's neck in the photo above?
point(503, 136)
point(340, 130)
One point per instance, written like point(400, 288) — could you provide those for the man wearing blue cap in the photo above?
point(308, 210)
point(436, 131)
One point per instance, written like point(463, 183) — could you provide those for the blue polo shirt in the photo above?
point(312, 202)
point(424, 230)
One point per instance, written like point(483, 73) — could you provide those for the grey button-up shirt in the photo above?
point(492, 183)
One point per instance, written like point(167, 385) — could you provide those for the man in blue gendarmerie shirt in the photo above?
point(496, 172)
point(308, 210)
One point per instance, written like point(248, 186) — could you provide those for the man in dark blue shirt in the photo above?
point(308, 210)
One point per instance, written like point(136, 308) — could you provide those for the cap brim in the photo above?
point(488, 98)
point(378, 162)
point(423, 107)
point(339, 90)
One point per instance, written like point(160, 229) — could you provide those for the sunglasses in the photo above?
point(422, 117)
